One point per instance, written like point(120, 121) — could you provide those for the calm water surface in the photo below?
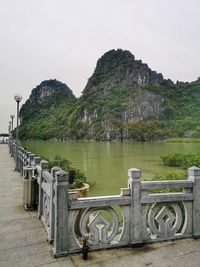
point(107, 163)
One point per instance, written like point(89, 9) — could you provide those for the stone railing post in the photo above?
point(31, 159)
point(54, 170)
point(18, 159)
point(12, 148)
point(52, 208)
point(61, 236)
point(194, 175)
point(37, 161)
point(134, 184)
point(44, 167)
point(21, 150)
point(9, 144)
point(28, 153)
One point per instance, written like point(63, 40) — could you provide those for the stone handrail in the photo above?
point(139, 214)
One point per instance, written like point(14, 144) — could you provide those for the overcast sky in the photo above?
point(63, 39)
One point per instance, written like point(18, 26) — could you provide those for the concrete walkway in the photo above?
point(23, 240)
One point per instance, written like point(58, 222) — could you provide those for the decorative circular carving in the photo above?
point(46, 205)
point(165, 220)
point(98, 227)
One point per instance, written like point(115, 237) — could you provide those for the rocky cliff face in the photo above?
point(48, 88)
point(119, 75)
point(120, 68)
point(144, 105)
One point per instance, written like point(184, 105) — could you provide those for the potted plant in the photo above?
point(77, 179)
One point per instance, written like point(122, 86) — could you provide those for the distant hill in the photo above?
point(123, 99)
point(44, 113)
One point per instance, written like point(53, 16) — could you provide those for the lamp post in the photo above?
point(12, 117)
point(9, 131)
point(17, 98)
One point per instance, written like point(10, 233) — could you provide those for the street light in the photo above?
point(17, 98)
point(9, 130)
point(12, 117)
point(9, 127)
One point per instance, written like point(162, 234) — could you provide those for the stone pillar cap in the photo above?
point(62, 176)
point(194, 171)
point(44, 164)
point(134, 173)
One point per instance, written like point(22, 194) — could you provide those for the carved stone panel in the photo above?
point(100, 224)
point(46, 209)
point(165, 220)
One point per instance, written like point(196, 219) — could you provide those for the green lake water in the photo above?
point(106, 163)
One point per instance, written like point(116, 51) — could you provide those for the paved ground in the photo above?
point(23, 240)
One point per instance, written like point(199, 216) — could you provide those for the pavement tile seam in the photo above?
point(39, 243)
point(9, 232)
point(17, 220)
point(22, 246)
point(2, 221)
point(11, 248)
point(45, 264)
point(13, 220)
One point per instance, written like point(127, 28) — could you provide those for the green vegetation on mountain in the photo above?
point(123, 99)
point(45, 113)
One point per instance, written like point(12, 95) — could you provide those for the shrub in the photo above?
point(78, 179)
point(182, 160)
point(64, 164)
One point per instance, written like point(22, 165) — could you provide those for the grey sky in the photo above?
point(62, 39)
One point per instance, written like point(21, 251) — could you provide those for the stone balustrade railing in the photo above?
point(136, 216)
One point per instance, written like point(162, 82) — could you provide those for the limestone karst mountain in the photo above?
point(123, 99)
point(47, 95)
